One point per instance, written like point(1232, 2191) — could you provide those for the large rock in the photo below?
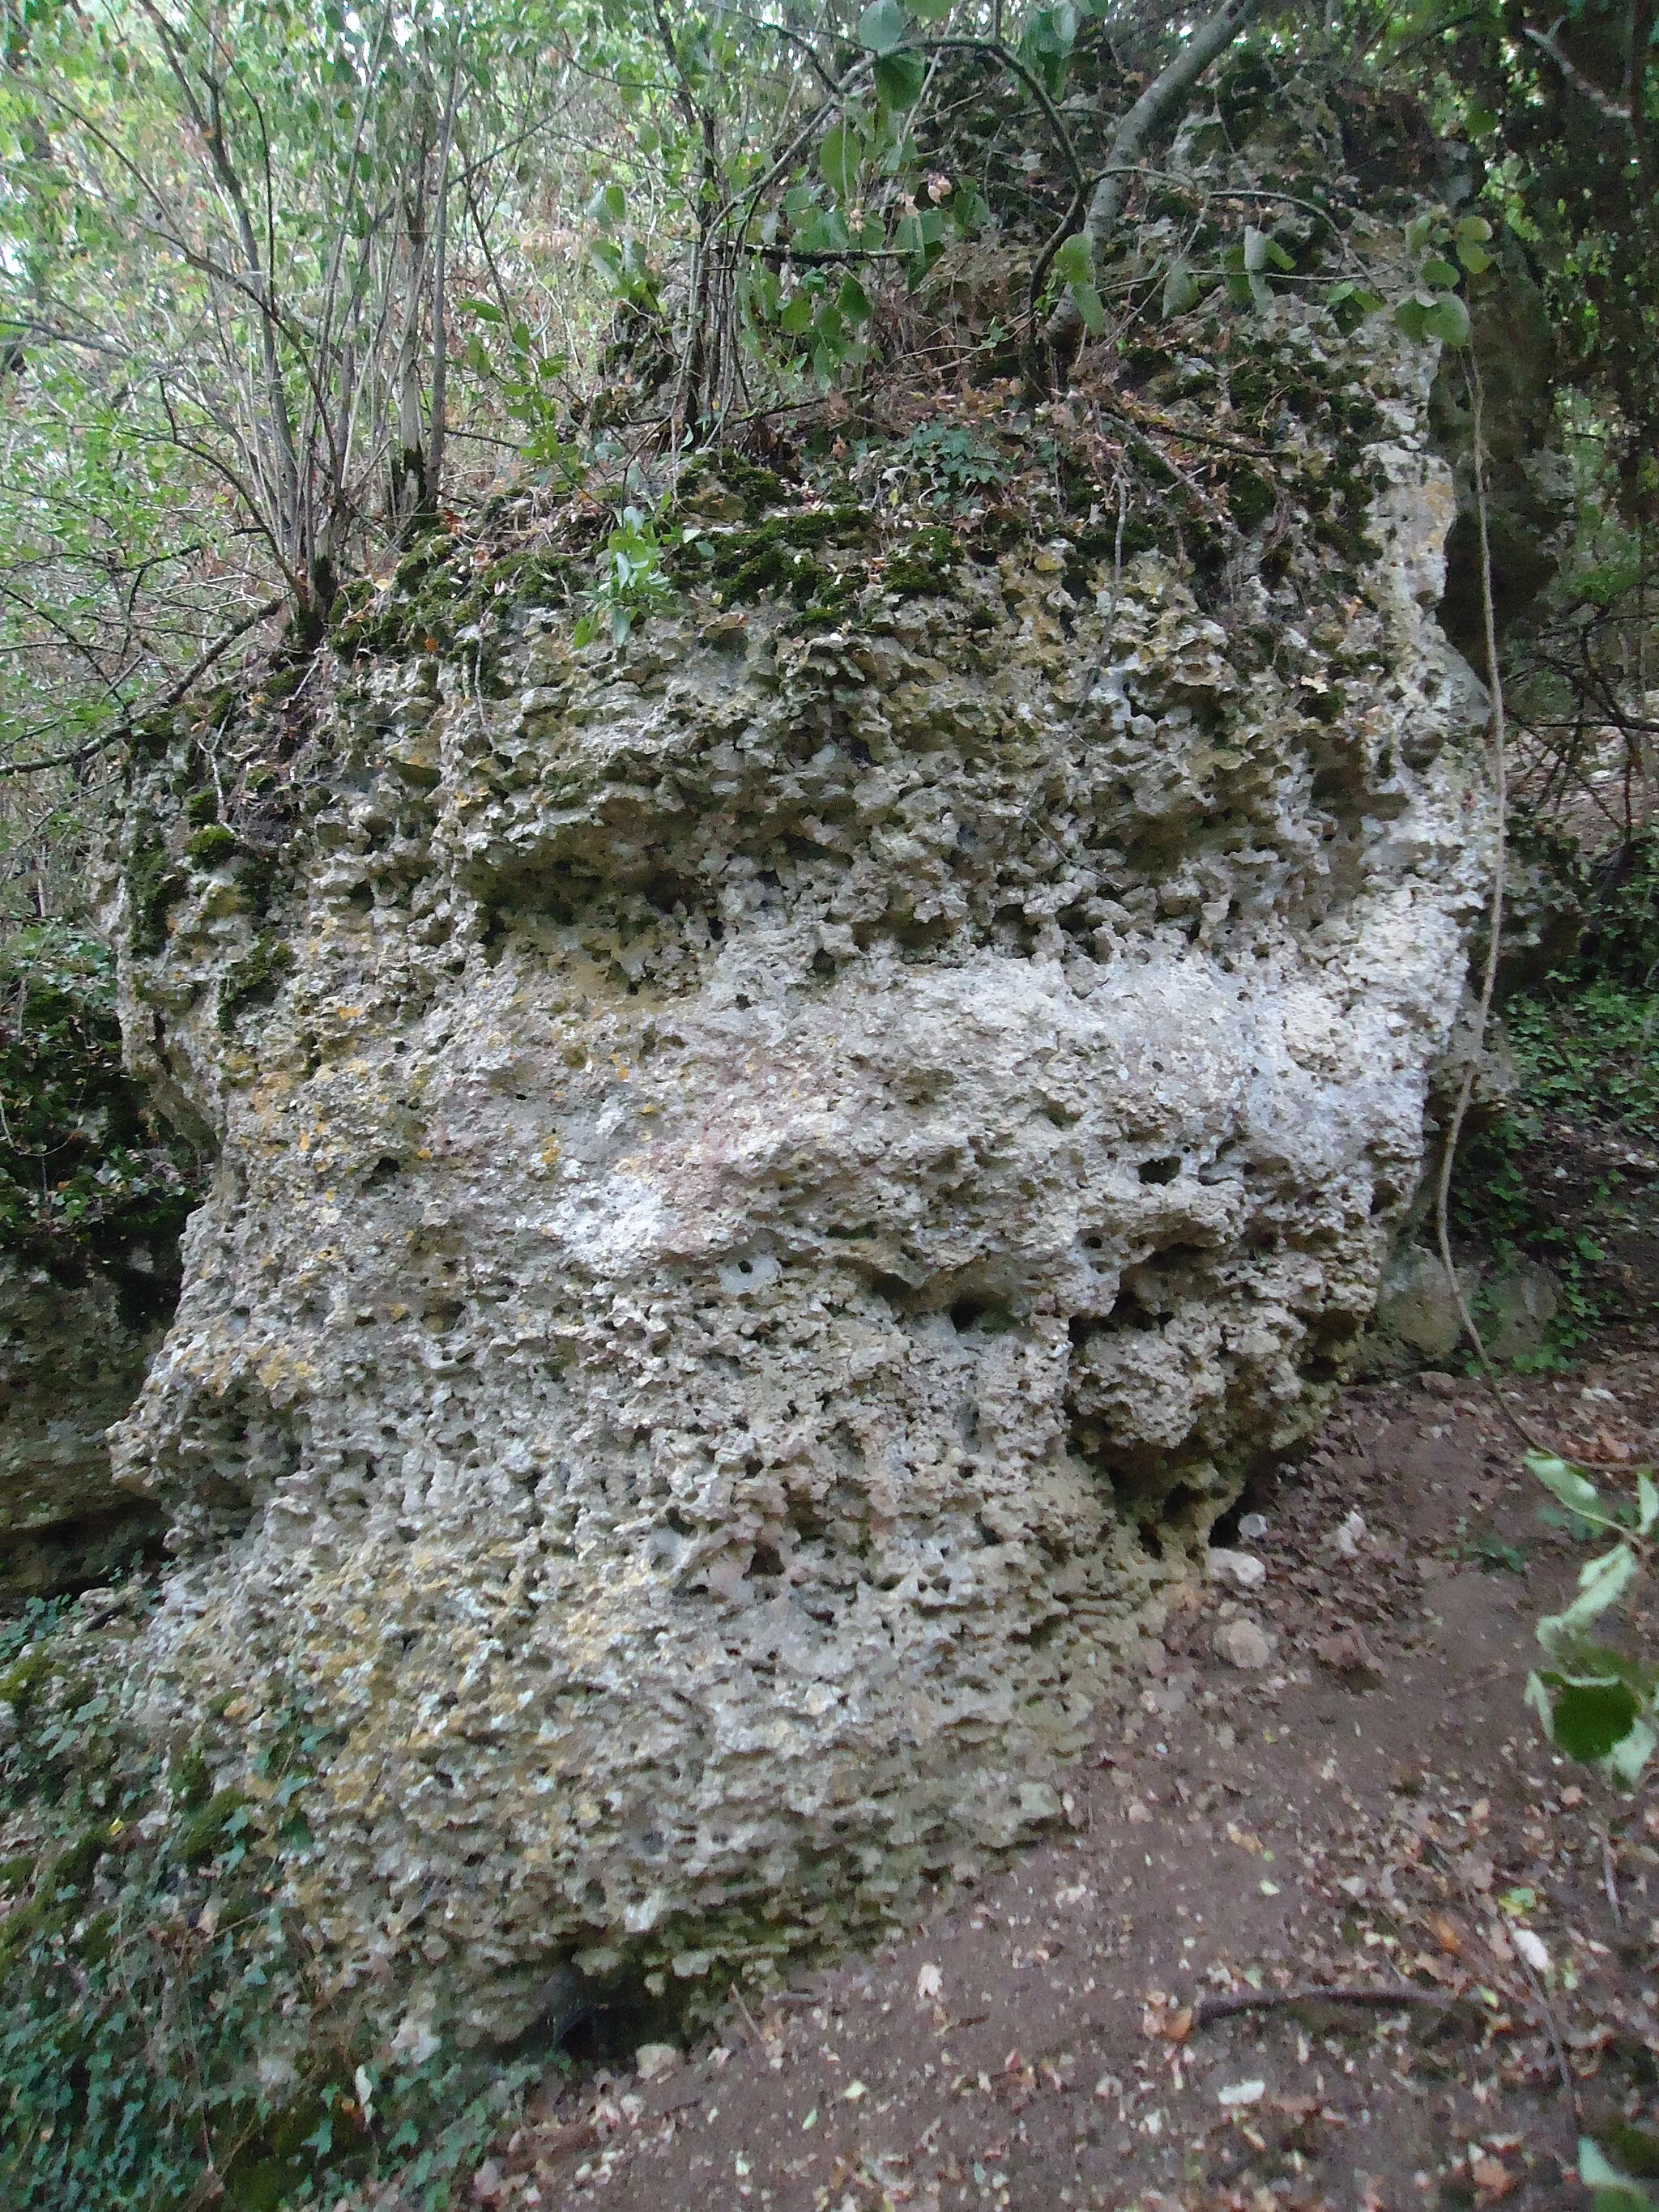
point(780, 1180)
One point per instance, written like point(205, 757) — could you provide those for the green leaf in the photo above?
point(485, 310)
point(1628, 1758)
point(853, 300)
point(882, 26)
point(1439, 273)
point(1075, 263)
point(1471, 229)
point(613, 202)
point(1448, 320)
point(1090, 306)
point(899, 80)
point(1411, 314)
point(1182, 290)
point(797, 314)
point(1601, 1584)
point(1575, 1490)
point(1418, 231)
point(1647, 1503)
point(1589, 1719)
point(1613, 2192)
point(840, 158)
point(1474, 259)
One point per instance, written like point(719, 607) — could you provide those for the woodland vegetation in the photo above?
point(318, 324)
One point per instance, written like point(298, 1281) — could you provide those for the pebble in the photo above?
point(654, 2062)
point(1241, 1644)
point(1242, 1568)
point(1350, 1536)
point(1253, 1527)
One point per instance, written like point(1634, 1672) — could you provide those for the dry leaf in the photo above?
point(1492, 2179)
point(930, 1985)
point(1447, 1933)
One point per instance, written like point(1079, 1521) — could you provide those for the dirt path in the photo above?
point(1373, 1810)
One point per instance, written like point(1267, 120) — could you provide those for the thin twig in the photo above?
point(1610, 1879)
point(1546, 2013)
point(123, 728)
point(1494, 940)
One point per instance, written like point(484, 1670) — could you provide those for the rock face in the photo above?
point(780, 1180)
point(73, 1352)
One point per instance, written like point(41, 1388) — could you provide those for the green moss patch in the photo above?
point(254, 978)
point(212, 846)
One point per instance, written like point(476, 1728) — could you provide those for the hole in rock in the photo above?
point(767, 1561)
point(383, 1170)
point(1128, 1312)
point(1159, 1171)
point(983, 1314)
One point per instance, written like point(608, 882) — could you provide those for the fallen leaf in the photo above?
point(1240, 2093)
point(1492, 2179)
point(930, 1985)
point(1447, 1933)
point(1531, 1949)
point(1163, 2018)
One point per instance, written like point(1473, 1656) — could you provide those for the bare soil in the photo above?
point(1126, 2016)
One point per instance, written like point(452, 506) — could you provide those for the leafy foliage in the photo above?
point(165, 2036)
point(81, 1169)
point(1595, 1701)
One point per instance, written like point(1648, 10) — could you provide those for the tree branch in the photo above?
point(124, 729)
point(1602, 101)
point(1161, 101)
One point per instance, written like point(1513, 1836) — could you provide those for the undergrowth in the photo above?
point(82, 1169)
point(166, 2035)
point(1546, 1177)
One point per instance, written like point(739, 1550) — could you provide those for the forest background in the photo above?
point(299, 302)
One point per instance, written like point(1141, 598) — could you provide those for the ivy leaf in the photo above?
point(882, 26)
point(899, 79)
point(1182, 290)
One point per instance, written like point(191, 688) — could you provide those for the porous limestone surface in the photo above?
point(787, 1181)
